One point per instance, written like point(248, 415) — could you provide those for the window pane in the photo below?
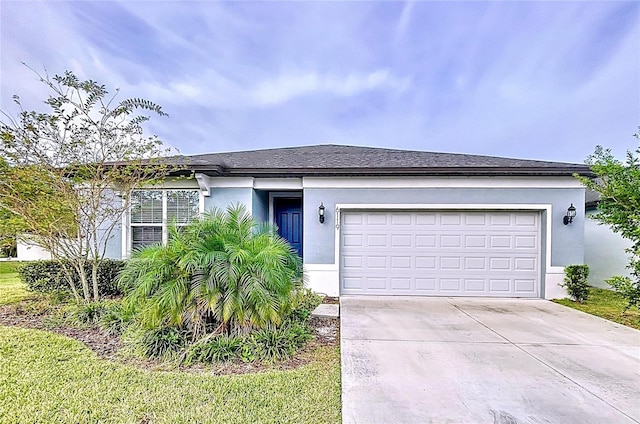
point(145, 236)
point(182, 206)
point(146, 207)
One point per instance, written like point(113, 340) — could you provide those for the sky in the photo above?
point(541, 80)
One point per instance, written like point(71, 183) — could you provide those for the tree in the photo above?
point(618, 183)
point(221, 273)
point(10, 226)
point(67, 174)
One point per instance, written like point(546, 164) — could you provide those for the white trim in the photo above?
point(441, 182)
point(322, 278)
point(127, 224)
point(231, 182)
point(172, 184)
point(553, 278)
point(320, 267)
point(124, 231)
point(462, 207)
point(444, 206)
point(281, 194)
point(165, 232)
point(277, 183)
point(204, 182)
point(201, 203)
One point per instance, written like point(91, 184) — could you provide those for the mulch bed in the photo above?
point(107, 346)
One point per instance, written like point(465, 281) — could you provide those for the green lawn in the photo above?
point(605, 304)
point(46, 377)
point(11, 288)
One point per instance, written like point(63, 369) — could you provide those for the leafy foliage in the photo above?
point(267, 345)
point(162, 342)
point(303, 301)
point(222, 273)
point(89, 313)
point(618, 184)
point(575, 281)
point(627, 289)
point(50, 276)
point(66, 174)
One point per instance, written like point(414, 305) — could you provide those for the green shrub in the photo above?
point(267, 344)
point(89, 313)
point(277, 344)
point(223, 270)
point(162, 342)
point(114, 319)
point(626, 288)
point(575, 281)
point(218, 348)
point(304, 301)
point(48, 276)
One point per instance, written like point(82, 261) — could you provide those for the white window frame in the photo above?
point(127, 242)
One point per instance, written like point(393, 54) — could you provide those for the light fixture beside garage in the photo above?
point(321, 213)
point(571, 213)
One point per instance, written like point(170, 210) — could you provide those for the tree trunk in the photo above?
point(94, 279)
point(84, 281)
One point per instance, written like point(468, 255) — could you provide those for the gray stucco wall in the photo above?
point(223, 197)
point(260, 207)
point(114, 244)
point(567, 241)
point(604, 252)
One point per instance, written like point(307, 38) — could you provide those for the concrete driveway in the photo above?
point(466, 360)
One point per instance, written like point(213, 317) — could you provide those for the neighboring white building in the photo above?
point(604, 250)
point(29, 250)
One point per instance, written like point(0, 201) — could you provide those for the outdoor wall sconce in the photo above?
point(321, 213)
point(571, 213)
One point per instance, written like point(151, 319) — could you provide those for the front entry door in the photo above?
point(288, 216)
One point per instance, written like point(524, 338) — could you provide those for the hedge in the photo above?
point(48, 276)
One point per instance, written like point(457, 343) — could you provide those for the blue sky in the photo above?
point(545, 80)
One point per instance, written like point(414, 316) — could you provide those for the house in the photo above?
point(604, 250)
point(375, 221)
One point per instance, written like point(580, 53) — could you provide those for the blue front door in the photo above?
point(288, 216)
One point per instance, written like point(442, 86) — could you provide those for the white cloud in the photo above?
point(289, 86)
point(404, 21)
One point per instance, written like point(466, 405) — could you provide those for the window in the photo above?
point(153, 210)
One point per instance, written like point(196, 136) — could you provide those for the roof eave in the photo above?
point(445, 171)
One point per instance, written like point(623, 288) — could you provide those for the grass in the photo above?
point(12, 290)
point(46, 377)
point(605, 304)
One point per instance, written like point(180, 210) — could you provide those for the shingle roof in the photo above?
point(337, 160)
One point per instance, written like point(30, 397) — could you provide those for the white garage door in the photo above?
point(440, 253)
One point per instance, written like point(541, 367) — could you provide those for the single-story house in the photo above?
point(376, 221)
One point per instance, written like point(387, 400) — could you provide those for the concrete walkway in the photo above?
point(465, 360)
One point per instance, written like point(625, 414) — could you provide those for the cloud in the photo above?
point(290, 86)
point(531, 79)
point(404, 21)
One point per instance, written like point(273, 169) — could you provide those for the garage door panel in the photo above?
point(426, 262)
point(352, 261)
point(449, 240)
point(426, 220)
point(377, 240)
point(426, 240)
point(475, 285)
point(401, 240)
point(475, 241)
point(447, 253)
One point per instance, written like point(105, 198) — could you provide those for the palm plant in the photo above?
point(221, 273)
